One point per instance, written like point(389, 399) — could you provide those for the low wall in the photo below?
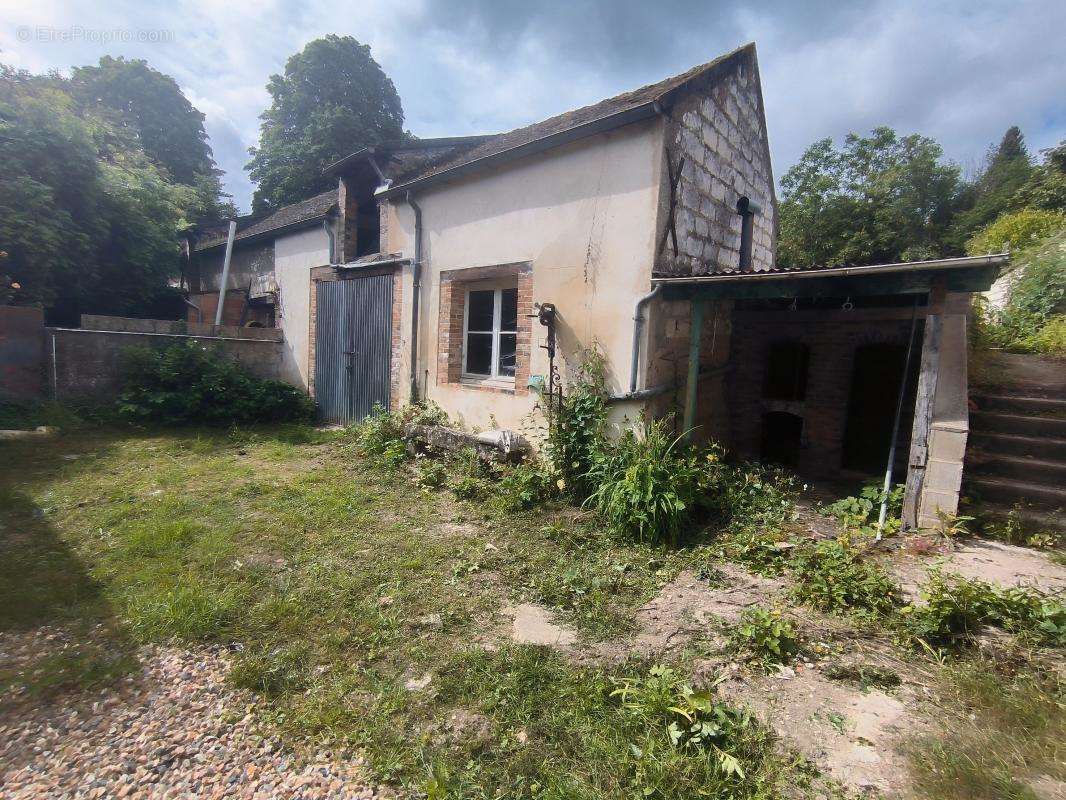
point(85, 364)
point(21, 353)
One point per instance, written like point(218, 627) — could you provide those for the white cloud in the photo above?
point(960, 72)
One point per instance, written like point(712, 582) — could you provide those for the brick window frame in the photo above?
point(454, 284)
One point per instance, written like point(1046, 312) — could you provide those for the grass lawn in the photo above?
point(338, 581)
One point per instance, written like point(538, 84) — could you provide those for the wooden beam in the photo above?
point(693, 381)
point(923, 420)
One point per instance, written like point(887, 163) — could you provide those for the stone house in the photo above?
point(645, 226)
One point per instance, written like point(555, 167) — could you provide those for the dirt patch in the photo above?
point(688, 605)
point(533, 624)
point(992, 562)
point(850, 735)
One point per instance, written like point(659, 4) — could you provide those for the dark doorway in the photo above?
point(782, 434)
point(786, 371)
point(875, 383)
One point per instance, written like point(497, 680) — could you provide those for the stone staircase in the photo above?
point(1017, 446)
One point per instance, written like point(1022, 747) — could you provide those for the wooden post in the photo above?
point(692, 385)
point(923, 407)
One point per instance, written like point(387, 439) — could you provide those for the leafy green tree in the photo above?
point(1007, 169)
point(88, 221)
point(1046, 187)
point(332, 100)
point(876, 199)
point(168, 127)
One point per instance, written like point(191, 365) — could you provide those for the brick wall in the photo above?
point(453, 288)
point(833, 338)
point(719, 131)
point(21, 352)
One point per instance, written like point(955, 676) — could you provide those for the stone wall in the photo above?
point(718, 131)
point(21, 353)
point(87, 363)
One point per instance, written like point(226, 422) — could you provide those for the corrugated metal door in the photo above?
point(353, 343)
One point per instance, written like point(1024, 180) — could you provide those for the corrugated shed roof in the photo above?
point(619, 104)
point(304, 211)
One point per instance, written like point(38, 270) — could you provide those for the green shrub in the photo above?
point(831, 576)
point(647, 486)
point(694, 720)
point(955, 611)
point(1015, 231)
point(861, 512)
point(764, 636)
point(379, 437)
point(525, 485)
point(763, 551)
point(190, 383)
point(577, 428)
point(1032, 318)
point(431, 473)
point(747, 494)
point(472, 479)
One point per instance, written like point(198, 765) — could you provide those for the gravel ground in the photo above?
point(174, 730)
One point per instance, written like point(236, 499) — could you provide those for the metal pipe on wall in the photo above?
point(225, 271)
point(638, 325)
point(416, 287)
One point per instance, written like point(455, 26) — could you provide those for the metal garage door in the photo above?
point(353, 342)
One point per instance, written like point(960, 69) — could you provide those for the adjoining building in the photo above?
point(644, 226)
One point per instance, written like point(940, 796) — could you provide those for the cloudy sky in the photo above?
point(961, 72)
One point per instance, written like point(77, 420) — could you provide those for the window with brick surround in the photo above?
point(490, 333)
point(485, 329)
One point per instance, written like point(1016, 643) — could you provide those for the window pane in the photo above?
point(479, 316)
point(509, 310)
point(479, 353)
point(507, 353)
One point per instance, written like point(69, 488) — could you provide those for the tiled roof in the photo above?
point(628, 101)
point(304, 211)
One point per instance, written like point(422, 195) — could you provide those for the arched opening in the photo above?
point(782, 435)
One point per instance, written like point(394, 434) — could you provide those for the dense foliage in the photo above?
point(577, 427)
point(876, 199)
point(332, 100)
point(89, 220)
point(189, 383)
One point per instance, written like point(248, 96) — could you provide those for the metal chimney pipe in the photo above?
point(225, 271)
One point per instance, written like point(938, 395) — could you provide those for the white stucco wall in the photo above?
point(584, 215)
point(294, 256)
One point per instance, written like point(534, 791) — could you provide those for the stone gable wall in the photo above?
point(718, 130)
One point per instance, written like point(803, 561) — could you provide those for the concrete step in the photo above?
point(1045, 472)
point(1043, 447)
point(1009, 492)
point(1017, 423)
point(1015, 404)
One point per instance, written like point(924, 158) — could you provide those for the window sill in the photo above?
point(492, 384)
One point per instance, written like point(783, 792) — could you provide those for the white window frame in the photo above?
point(497, 308)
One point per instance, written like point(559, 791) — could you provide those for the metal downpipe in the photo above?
point(416, 291)
point(638, 326)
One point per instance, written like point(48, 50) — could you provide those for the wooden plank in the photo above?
point(692, 383)
point(923, 419)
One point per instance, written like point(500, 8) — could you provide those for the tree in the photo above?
point(876, 199)
point(332, 100)
point(167, 126)
point(1046, 187)
point(88, 221)
point(1007, 169)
